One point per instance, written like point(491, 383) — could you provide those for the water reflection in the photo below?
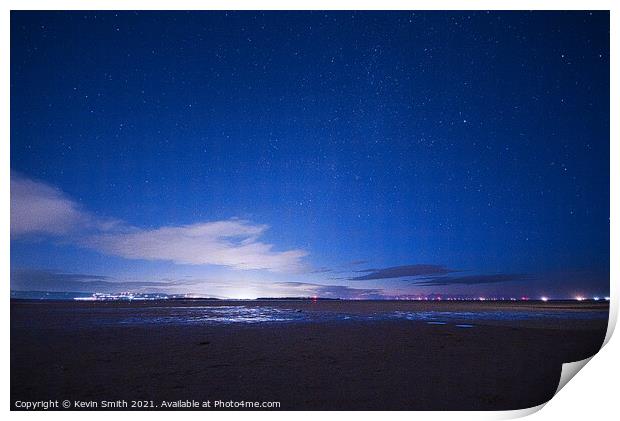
point(213, 315)
point(243, 314)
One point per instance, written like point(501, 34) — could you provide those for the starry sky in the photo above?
point(341, 154)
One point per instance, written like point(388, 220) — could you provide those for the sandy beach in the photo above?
point(78, 351)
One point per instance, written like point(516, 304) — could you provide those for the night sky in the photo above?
point(340, 154)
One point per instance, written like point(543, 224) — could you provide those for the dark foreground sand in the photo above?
point(332, 365)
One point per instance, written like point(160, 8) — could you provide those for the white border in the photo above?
point(592, 395)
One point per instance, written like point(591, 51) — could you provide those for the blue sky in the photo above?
point(248, 154)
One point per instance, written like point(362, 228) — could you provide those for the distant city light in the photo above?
point(579, 298)
point(606, 298)
point(596, 298)
point(544, 299)
point(125, 296)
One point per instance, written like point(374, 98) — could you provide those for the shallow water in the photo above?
point(497, 315)
point(213, 315)
point(26, 314)
point(243, 314)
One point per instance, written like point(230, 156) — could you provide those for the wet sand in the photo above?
point(318, 365)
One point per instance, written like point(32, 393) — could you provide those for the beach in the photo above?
point(321, 355)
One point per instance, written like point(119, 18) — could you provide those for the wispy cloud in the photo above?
point(321, 270)
point(232, 243)
point(40, 209)
point(470, 279)
point(54, 281)
point(401, 271)
point(329, 291)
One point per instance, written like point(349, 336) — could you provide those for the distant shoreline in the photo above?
point(59, 297)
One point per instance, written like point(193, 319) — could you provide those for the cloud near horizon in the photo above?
point(58, 281)
point(331, 291)
point(40, 209)
point(428, 275)
point(470, 279)
point(401, 271)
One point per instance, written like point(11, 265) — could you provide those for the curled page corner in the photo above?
point(519, 413)
point(569, 370)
